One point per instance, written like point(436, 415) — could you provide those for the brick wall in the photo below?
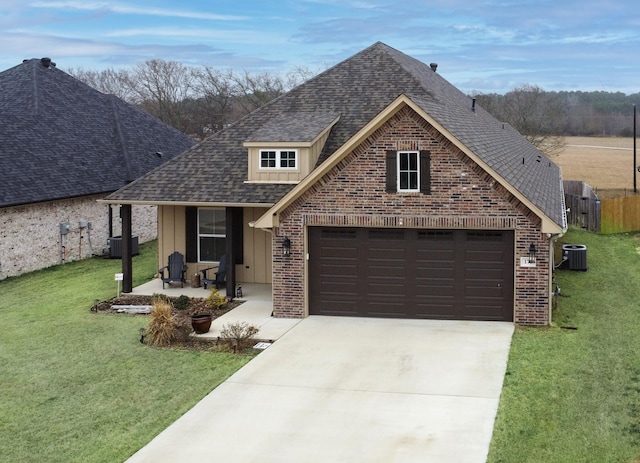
point(30, 235)
point(462, 196)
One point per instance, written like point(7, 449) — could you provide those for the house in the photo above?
point(63, 145)
point(375, 189)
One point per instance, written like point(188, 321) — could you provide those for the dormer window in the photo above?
point(278, 159)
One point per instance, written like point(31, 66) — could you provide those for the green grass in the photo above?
point(574, 395)
point(76, 386)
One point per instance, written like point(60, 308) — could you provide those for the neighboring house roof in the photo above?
point(60, 138)
point(358, 89)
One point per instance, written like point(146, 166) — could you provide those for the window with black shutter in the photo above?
point(408, 172)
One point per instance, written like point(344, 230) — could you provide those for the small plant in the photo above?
point(157, 297)
point(216, 300)
point(238, 335)
point(182, 302)
point(161, 329)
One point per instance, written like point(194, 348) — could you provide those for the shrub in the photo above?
point(157, 297)
point(238, 335)
point(182, 302)
point(161, 329)
point(216, 300)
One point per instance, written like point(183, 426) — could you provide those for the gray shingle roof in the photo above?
point(59, 138)
point(294, 127)
point(358, 89)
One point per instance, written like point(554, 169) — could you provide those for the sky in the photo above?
point(480, 46)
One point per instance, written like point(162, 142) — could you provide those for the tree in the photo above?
point(196, 100)
point(110, 81)
point(161, 88)
point(536, 114)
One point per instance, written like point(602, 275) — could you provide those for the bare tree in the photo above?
point(161, 88)
point(255, 90)
point(197, 101)
point(110, 81)
point(536, 114)
point(214, 107)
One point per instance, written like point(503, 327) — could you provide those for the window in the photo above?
point(288, 159)
point(278, 159)
point(211, 234)
point(267, 159)
point(408, 172)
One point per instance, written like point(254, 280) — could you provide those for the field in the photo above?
point(605, 163)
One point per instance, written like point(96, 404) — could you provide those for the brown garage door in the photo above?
point(444, 274)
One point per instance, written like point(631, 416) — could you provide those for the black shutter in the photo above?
point(392, 172)
point(191, 233)
point(425, 172)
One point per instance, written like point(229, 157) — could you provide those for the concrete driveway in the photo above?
point(337, 389)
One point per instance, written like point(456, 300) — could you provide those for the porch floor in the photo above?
point(256, 309)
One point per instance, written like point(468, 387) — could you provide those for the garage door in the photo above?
point(443, 274)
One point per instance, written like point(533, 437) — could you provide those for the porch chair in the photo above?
point(176, 270)
point(219, 276)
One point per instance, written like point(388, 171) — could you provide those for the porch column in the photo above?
point(230, 251)
point(127, 266)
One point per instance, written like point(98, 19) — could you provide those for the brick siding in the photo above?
point(462, 196)
point(30, 235)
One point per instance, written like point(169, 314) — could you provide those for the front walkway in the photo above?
point(255, 310)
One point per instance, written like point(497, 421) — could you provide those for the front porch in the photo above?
point(255, 310)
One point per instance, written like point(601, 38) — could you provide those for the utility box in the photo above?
point(115, 246)
point(575, 256)
point(65, 228)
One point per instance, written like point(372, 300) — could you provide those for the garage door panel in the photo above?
point(382, 272)
point(445, 274)
point(386, 309)
point(439, 308)
point(391, 290)
point(445, 289)
point(484, 312)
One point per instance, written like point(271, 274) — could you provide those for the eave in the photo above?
point(184, 203)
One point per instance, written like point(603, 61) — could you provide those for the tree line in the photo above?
point(202, 100)
point(195, 100)
point(568, 113)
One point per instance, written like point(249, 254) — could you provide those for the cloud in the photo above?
point(129, 9)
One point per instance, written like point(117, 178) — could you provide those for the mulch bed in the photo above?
point(196, 305)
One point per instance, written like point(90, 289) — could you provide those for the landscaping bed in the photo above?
point(182, 339)
point(196, 305)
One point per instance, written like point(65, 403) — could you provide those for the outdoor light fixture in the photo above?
point(532, 253)
point(286, 247)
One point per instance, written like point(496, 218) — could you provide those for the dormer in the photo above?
point(287, 148)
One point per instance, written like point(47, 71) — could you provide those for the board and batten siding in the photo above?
point(256, 267)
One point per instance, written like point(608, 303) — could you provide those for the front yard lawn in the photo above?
point(76, 386)
point(572, 391)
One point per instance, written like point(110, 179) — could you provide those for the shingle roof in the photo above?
point(358, 89)
point(59, 138)
point(294, 127)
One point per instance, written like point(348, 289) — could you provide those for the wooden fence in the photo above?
point(620, 215)
point(583, 205)
point(606, 216)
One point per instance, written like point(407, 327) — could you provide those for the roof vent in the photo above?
point(434, 66)
point(46, 62)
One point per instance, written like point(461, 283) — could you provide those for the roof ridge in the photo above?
point(36, 88)
point(120, 139)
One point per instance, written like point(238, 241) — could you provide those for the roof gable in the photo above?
point(60, 138)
